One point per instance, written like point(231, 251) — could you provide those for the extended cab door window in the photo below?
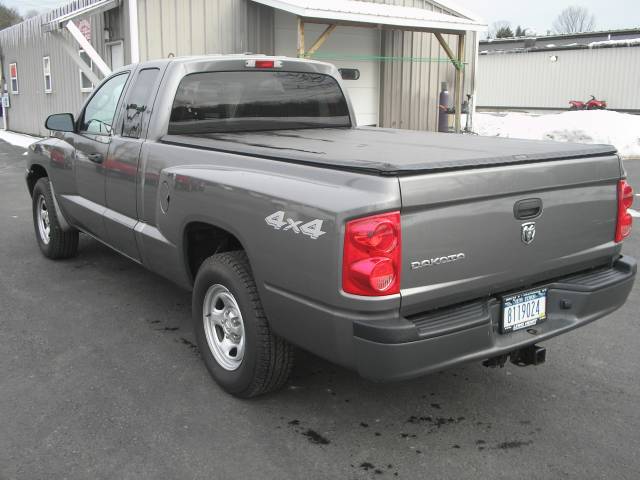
point(139, 102)
point(99, 113)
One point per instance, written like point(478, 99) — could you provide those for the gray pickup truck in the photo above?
point(394, 253)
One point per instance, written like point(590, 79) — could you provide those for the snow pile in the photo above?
point(587, 126)
point(17, 139)
point(630, 42)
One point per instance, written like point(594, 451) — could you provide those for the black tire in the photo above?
point(61, 244)
point(268, 359)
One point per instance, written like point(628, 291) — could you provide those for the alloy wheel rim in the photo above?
point(44, 226)
point(223, 327)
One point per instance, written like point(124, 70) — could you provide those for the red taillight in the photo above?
point(371, 261)
point(625, 220)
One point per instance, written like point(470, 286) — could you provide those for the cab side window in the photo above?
point(139, 102)
point(99, 113)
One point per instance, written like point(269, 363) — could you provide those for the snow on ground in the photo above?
point(587, 126)
point(17, 139)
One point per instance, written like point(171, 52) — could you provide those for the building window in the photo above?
point(86, 85)
point(13, 75)
point(46, 71)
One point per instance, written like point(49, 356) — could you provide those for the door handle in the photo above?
point(96, 157)
point(527, 209)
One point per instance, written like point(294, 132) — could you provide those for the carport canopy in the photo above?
point(383, 16)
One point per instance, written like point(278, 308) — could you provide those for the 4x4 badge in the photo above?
point(311, 229)
point(528, 232)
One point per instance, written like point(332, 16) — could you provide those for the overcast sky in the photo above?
point(539, 14)
point(536, 14)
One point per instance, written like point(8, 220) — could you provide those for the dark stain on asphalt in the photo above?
point(366, 466)
point(364, 425)
point(294, 422)
point(513, 444)
point(455, 446)
point(315, 437)
point(377, 434)
point(436, 405)
point(434, 421)
point(170, 329)
point(194, 348)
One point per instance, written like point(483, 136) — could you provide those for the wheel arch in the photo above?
point(35, 173)
point(201, 239)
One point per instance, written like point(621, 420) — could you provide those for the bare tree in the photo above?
point(574, 20)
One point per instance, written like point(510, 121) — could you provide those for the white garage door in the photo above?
point(344, 43)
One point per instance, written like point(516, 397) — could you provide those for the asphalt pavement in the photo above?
point(100, 379)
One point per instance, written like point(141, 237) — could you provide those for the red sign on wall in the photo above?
point(84, 26)
point(13, 71)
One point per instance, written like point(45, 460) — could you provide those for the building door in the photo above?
point(92, 140)
point(116, 54)
point(346, 47)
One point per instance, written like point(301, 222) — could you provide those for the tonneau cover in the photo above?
point(388, 151)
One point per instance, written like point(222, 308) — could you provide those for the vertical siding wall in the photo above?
point(410, 90)
point(531, 80)
point(26, 44)
point(197, 27)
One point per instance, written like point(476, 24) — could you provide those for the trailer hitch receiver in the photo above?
point(532, 355)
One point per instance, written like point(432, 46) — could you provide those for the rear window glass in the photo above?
point(214, 102)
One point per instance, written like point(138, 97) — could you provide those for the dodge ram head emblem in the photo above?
point(528, 232)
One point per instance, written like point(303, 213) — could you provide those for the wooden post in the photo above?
point(459, 82)
point(321, 39)
point(301, 51)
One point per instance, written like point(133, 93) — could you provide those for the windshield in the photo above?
point(214, 102)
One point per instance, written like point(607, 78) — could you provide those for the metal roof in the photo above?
point(358, 12)
point(90, 9)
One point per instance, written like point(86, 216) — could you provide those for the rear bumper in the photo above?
point(404, 348)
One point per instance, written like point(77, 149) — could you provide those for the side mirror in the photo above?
point(60, 122)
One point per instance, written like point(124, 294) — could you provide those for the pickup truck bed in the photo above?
point(387, 151)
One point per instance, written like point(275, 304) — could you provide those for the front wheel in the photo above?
point(54, 242)
point(241, 353)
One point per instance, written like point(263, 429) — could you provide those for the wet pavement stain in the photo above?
point(366, 466)
point(315, 437)
point(513, 444)
point(194, 348)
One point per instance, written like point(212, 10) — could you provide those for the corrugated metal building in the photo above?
point(394, 45)
point(545, 73)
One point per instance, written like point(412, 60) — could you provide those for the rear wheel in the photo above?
point(52, 240)
point(242, 354)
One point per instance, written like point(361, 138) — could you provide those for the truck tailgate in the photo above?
point(462, 238)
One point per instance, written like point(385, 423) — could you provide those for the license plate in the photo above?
point(523, 310)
